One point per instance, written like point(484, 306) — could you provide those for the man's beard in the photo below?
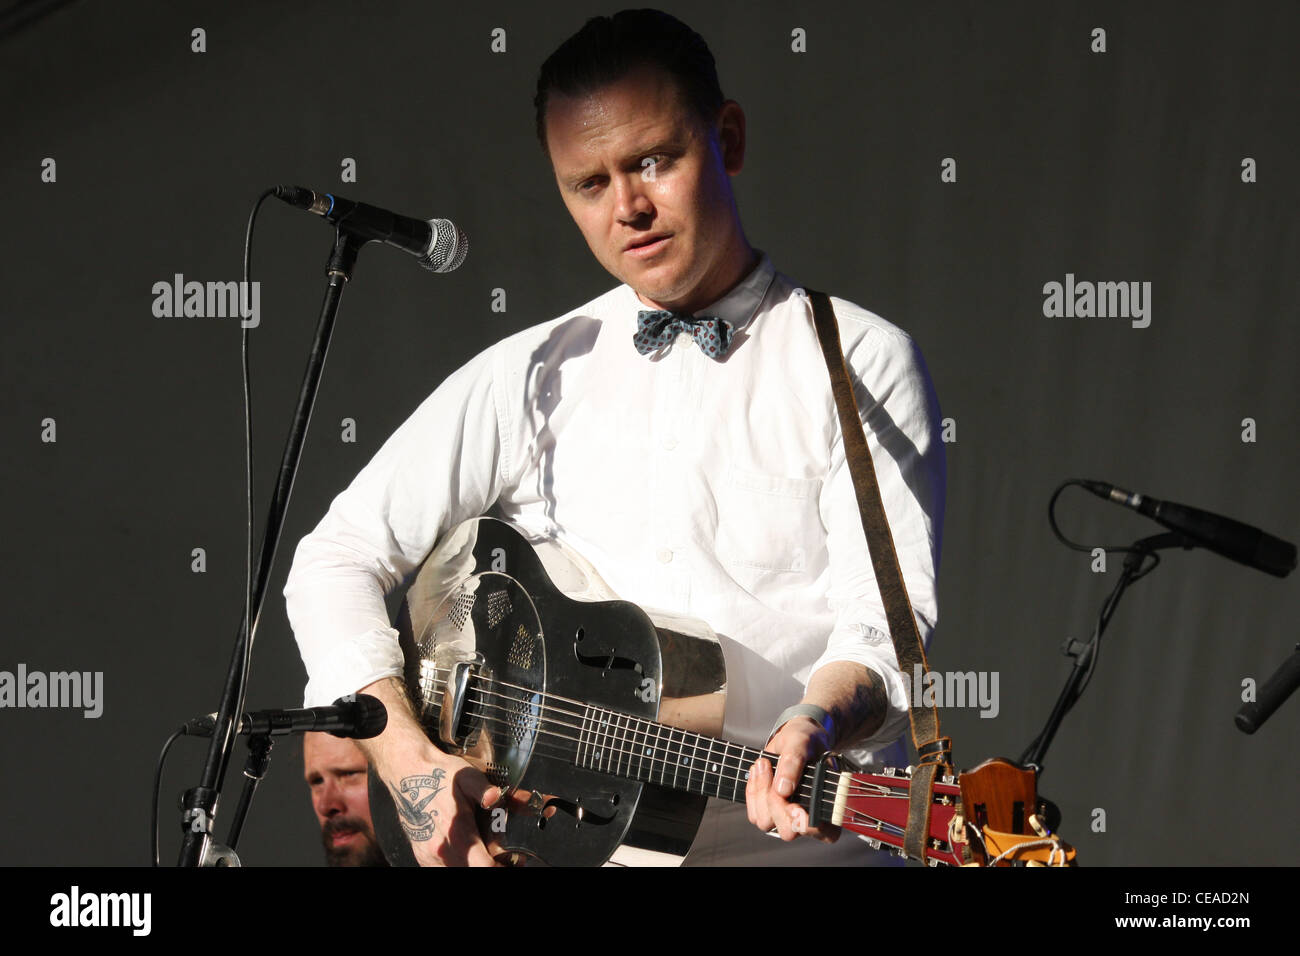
point(362, 852)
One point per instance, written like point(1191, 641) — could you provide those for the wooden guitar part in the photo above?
point(1000, 799)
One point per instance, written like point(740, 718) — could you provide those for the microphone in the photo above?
point(1232, 539)
point(1276, 689)
point(361, 718)
point(439, 244)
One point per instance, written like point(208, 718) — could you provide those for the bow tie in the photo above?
point(656, 328)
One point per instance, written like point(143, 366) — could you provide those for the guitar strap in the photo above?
point(934, 752)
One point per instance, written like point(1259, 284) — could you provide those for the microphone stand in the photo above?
point(1085, 654)
point(255, 767)
point(200, 803)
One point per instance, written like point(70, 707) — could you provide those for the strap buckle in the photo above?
point(937, 751)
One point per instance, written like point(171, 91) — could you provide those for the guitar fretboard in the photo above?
point(627, 746)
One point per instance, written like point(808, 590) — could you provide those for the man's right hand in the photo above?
point(437, 801)
point(436, 795)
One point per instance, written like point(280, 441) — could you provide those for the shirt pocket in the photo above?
point(769, 522)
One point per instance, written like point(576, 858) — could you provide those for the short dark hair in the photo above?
point(608, 48)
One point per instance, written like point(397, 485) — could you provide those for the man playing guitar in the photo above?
point(679, 433)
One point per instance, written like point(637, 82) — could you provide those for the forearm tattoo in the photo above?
point(864, 714)
point(412, 797)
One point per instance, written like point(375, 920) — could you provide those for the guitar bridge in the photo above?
point(451, 714)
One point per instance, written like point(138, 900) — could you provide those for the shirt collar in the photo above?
point(740, 305)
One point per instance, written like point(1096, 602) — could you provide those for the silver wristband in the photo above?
point(805, 710)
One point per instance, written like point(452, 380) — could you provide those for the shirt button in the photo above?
point(665, 555)
point(670, 443)
point(685, 339)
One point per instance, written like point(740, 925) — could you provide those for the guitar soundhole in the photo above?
point(580, 814)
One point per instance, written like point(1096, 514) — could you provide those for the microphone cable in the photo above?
point(248, 551)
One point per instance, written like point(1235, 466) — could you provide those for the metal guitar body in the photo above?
point(510, 644)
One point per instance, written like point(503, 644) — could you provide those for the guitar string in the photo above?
point(583, 716)
point(851, 815)
point(513, 721)
point(856, 788)
point(604, 748)
point(600, 740)
point(744, 757)
point(868, 822)
point(597, 742)
point(805, 789)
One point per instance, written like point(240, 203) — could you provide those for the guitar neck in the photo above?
point(626, 746)
point(873, 805)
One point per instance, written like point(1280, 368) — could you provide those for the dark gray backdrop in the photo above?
point(1122, 166)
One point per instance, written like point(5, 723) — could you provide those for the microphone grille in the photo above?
point(369, 717)
point(372, 717)
point(449, 247)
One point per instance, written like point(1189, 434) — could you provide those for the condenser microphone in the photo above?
point(439, 244)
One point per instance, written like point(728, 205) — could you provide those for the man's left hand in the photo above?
point(772, 795)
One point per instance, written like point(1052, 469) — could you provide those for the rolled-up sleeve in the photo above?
point(901, 416)
point(445, 464)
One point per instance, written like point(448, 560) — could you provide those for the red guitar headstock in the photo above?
point(990, 815)
point(875, 806)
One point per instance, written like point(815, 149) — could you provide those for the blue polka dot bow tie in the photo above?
point(656, 328)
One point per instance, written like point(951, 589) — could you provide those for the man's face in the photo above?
point(335, 770)
point(648, 186)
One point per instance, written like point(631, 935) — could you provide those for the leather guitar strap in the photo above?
point(934, 752)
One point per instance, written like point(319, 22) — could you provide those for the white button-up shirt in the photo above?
point(711, 489)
